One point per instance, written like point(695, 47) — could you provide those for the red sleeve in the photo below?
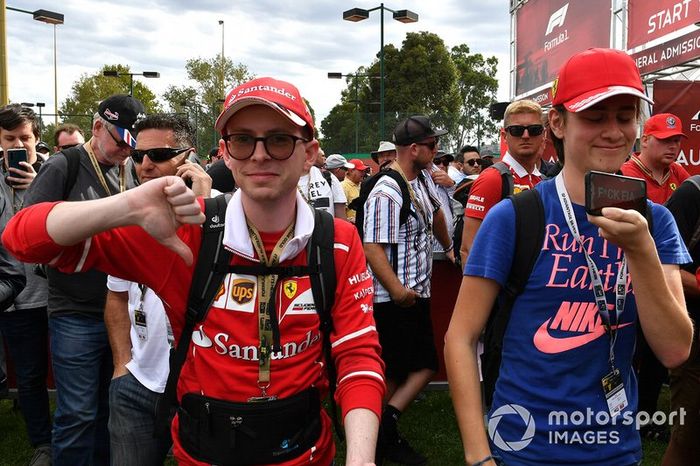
point(354, 340)
point(630, 168)
point(485, 193)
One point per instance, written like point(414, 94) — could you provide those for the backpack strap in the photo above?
point(323, 285)
point(72, 156)
point(507, 184)
point(206, 280)
point(529, 235)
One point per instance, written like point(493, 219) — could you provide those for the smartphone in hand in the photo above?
point(15, 156)
point(609, 190)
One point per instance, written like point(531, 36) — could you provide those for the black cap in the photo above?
point(414, 129)
point(42, 146)
point(123, 111)
point(444, 155)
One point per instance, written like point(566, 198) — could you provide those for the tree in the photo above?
point(90, 89)
point(203, 99)
point(454, 88)
point(477, 86)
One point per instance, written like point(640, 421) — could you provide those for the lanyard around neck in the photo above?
point(100, 175)
point(266, 287)
point(414, 200)
point(598, 289)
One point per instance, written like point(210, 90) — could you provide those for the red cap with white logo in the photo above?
point(281, 96)
point(664, 126)
point(594, 75)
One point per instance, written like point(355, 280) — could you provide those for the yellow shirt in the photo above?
point(352, 191)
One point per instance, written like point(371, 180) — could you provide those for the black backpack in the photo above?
point(213, 263)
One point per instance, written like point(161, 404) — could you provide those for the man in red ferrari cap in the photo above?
point(565, 391)
point(267, 136)
point(351, 185)
point(656, 163)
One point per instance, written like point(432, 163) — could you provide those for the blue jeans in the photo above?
point(82, 368)
point(132, 409)
point(26, 334)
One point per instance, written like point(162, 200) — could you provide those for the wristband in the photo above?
point(484, 461)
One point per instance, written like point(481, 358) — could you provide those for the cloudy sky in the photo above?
point(299, 40)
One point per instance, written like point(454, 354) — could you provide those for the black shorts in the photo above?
point(406, 336)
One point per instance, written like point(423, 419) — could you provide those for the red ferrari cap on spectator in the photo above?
point(595, 75)
point(663, 126)
point(359, 164)
point(278, 95)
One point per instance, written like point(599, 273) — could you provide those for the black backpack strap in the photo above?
point(72, 156)
point(323, 287)
point(529, 235)
point(209, 273)
point(507, 185)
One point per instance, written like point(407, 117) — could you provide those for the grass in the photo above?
point(430, 426)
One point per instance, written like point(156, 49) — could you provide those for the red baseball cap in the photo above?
point(594, 75)
point(278, 95)
point(663, 126)
point(359, 165)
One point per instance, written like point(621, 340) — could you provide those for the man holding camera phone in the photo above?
point(569, 341)
point(80, 351)
point(25, 325)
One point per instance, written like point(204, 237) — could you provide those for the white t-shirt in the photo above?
point(315, 190)
point(150, 343)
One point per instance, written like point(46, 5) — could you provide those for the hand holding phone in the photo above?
point(15, 156)
point(609, 190)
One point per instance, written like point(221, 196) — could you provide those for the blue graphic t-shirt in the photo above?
point(549, 406)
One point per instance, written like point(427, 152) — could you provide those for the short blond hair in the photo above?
point(522, 106)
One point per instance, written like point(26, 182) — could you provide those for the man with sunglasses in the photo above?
point(82, 359)
point(400, 255)
point(67, 135)
point(523, 132)
point(139, 332)
point(151, 234)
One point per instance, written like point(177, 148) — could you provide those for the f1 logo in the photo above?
point(557, 19)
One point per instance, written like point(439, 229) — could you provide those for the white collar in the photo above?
point(236, 236)
point(519, 169)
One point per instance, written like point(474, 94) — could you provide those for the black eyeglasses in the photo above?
point(473, 162)
point(519, 130)
point(67, 146)
point(278, 146)
point(430, 145)
point(442, 162)
point(157, 154)
point(120, 144)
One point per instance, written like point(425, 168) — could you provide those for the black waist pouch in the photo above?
point(237, 434)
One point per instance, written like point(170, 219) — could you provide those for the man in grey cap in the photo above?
point(338, 165)
point(82, 359)
point(385, 154)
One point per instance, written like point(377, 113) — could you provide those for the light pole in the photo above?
point(45, 16)
point(40, 105)
point(332, 75)
point(403, 16)
point(145, 74)
point(223, 85)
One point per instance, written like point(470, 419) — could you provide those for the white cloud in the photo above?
point(299, 41)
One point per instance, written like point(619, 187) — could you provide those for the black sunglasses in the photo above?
point(120, 144)
point(519, 130)
point(442, 161)
point(473, 162)
point(67, 146)
point(158, 154)
point(430, 145)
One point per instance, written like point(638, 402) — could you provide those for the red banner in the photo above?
point(682, 98)
point(672, 53)
point(550, 31)
point(648, 20)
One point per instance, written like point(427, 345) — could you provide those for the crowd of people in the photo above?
point(208, 308)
